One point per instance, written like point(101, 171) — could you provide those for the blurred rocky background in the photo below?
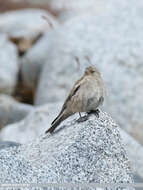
point(39, 40)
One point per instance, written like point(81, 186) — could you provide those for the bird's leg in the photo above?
point(95, 112)
point(82, 119)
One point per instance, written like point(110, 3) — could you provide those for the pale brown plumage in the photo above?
point(86, 95)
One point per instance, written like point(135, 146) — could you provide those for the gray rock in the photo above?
point(34, 124)
point(134, 151)
point(77, 152)
point(30, 69)
point(63, 5)
point(113, 43)
point(39, 120)
point(42, 117)
point(26, 23)
point(8, 65)
point(138, 179)
point(8, 144)
point(12, 111)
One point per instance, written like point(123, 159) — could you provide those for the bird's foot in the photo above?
point(82, 119)
point(95, 112)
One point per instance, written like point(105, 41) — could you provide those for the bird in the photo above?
point(85, 96)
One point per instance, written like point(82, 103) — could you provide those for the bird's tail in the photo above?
point(57, 121)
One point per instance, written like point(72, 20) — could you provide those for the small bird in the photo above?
point(86, 95)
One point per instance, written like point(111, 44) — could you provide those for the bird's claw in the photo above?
point(82, 119)
point(95, 112)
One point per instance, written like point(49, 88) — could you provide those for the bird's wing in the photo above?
point(72, 93)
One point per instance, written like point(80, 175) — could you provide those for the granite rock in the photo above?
point(9, 65)
point(39, 120)
point(77, 152)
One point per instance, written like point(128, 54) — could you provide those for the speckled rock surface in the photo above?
point(77, 152)
point(39, 120)
point(8, 65)
point(12, 111)
point(113, 43)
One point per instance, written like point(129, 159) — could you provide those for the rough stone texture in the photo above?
point(82, 152)
point(26, 23)
point(8, 144)
point(37, 122)
point(8, 65)
point(34, 124)
point(12, 111)
point(113, 43)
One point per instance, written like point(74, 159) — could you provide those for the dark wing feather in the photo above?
point(73, 92)
point(69, 97)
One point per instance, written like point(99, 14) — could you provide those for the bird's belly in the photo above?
point(91, 104)
point(87, 101)
point(92, 98)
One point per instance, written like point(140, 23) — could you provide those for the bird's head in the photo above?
point(91, 71)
